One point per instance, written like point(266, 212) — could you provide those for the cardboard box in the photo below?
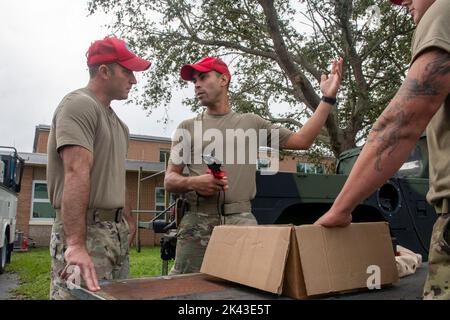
point(302, 261)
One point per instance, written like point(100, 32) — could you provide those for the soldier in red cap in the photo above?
point(87, 149)
point(214, 199)
point(422, 102)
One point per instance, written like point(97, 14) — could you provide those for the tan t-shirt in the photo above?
point(433, 30)
point(81, 120)
point(240, 134)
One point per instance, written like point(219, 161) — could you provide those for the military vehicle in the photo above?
point(302, 198)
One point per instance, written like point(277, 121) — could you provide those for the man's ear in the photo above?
point(104, 71)
point(224, 80)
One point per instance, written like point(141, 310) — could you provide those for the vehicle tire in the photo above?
point(9, 253)
point(3, 255)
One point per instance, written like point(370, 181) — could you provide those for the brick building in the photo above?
point(35, 215)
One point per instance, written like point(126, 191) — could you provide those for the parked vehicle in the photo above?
point(11, 170)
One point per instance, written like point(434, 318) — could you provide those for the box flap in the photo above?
point(294, 283)
point(250, 255)
point(337, 259)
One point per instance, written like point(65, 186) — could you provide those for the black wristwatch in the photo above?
point(329, 100)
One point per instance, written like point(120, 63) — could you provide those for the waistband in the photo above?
point(228, 208)
point(96, 215)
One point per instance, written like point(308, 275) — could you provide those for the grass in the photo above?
point(146, 263)
point(33, 270)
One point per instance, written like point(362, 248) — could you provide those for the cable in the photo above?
point(221, 206)
point(218, 207)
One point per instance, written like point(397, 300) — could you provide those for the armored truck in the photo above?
point(302, 198)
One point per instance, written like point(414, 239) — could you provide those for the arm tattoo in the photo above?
point(388, 135)
point(389, 130)
point(429, 83)
point(440, 65)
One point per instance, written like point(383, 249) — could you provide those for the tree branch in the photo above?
point(296, 77)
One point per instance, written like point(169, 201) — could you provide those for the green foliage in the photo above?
point(174, 32)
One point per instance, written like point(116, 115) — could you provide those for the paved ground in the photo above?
point(8, 281)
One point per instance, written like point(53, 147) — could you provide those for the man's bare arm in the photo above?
point(395, 133)
point(77, 162)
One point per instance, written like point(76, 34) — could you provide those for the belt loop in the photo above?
point(94, 216)
point(119, 215)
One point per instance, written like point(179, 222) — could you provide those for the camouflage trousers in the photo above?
point(193, 236)
point(107, 244)
point(437, 284)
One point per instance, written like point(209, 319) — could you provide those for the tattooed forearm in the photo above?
point(386, 134)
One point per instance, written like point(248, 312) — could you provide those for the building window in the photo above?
point(41, 208)
point(163, 155)
point(160, 204)
point(305, 167)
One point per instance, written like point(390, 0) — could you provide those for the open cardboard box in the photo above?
point(302, 261)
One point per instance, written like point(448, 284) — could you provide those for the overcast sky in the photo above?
point(43, 46)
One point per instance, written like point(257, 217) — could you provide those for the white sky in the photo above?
point(43, 46)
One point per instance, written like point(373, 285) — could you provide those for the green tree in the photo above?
point(277, 50)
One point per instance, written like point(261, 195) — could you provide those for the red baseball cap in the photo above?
point(398, 2)
point(111, 50)
point(204, 65)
